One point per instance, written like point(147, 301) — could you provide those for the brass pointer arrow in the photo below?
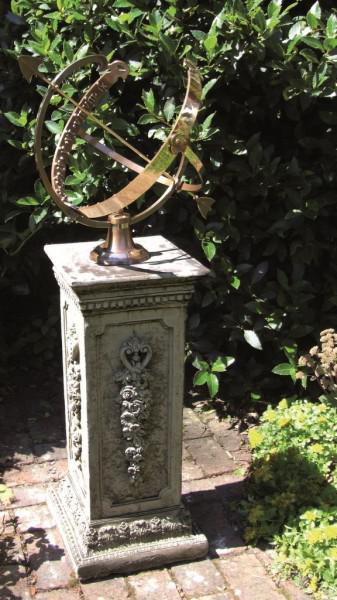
point(29, 66)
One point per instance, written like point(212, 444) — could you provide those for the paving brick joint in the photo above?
point(33, 561)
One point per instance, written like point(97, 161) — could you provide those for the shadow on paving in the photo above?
point(12, 568)
point(31, 418)
point(9, 577)
point(211, 512)
point(41, 550)
point(31, 427)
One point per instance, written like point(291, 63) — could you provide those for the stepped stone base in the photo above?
point(123, 545)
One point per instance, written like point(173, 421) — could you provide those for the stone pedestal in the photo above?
point(119, 508)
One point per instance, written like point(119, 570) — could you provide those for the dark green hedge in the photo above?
point(266, 133)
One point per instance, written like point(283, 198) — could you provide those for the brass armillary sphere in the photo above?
point(119, 248)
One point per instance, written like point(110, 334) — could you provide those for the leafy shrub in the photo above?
point(292, 490)
point(207, 373)
point(266, 133)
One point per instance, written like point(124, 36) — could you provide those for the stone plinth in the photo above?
point(119, 509)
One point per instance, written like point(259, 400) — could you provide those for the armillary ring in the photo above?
point(119, 247)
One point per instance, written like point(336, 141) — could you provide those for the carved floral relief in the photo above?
point(135, 402)
point(74, 395)
point(124, 531)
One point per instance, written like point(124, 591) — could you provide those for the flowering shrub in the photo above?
point(292, 491)
point(321, 363)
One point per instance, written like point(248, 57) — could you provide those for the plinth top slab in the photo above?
point(166, 261)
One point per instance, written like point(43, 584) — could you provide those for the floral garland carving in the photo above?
point(135, 400)
point(122, 532)
point(137, 531)
point(74, 395)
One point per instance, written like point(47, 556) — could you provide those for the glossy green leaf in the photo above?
point(313, 42)
point(252, 339)
point(209, 249)
point(200, 378)
point(54, 126)
point(212, 384)
point(274, 8)
point(27, 201)
point(39, 214)
point(221, 364)
point(315, 10)
point(331, 25)
point(20, 120)
point(235, 282)
point(202, 365)
point(169, 108)
point(210, 42)
point(149, 100)
point(283, 369)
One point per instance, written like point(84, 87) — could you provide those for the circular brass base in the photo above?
point(106, 257)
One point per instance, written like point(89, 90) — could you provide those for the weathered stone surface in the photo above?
point(123, 544)
point(47, 559)
point(26, 495)
point(206, 415)
point(198, 579)
point(190, 469)
point(153, 585)
point(63, 594)
point(228, 438)
point(247, 578)
point(105, 589)
point(221, 596)
point(241, 457)
point(35, 473)
point(123, 351)
point(210, 456)
point(193, 427)
point(292, 592)
point(265, 556)
point(13, 583)
point(34, 517)
point(166, 262)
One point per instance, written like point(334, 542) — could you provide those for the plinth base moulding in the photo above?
point(123, 545)
point(119, 508)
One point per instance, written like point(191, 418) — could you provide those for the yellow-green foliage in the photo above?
point(292, 491)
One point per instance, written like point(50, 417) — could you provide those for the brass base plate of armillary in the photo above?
point(106, 257)
point(119, 247)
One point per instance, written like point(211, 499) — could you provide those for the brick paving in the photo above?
point(33, 562)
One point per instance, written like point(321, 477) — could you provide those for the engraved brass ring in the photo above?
point(177, 143)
